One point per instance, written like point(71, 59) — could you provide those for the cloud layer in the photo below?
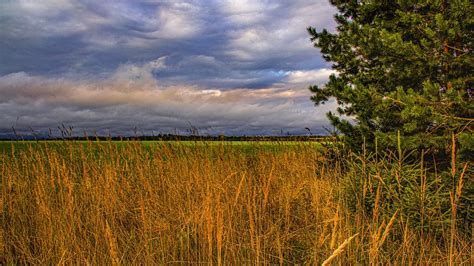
point(227, 66)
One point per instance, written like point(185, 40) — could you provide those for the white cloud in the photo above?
point(44, 7)
point(317, 76)
point(176, 23)
point(280, 32)
point(48, 18)
point(246, 12)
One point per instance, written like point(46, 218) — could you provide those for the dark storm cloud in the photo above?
point(255, 53)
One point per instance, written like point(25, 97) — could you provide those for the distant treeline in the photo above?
point(172, 137)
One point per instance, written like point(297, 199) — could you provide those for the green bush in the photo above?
point(378, 184)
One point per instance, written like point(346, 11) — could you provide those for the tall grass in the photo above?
point(123, 203)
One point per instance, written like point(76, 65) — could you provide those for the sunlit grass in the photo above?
point(100, 203)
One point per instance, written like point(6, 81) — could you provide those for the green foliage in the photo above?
point(377, 185)
point(403, 66)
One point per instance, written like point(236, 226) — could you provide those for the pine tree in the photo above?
point(402, 66)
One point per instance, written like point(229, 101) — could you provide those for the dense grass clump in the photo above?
point(133, 203)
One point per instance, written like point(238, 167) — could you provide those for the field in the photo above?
point(99, 203)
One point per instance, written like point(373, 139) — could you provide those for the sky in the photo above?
point(233, 67)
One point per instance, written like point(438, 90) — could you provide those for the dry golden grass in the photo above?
point(105, 203)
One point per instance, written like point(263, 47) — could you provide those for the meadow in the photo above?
point(101, 203)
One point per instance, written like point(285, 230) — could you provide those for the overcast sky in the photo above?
point(225, 66)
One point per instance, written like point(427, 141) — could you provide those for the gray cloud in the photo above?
point(133, 97)
point(233, 66)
